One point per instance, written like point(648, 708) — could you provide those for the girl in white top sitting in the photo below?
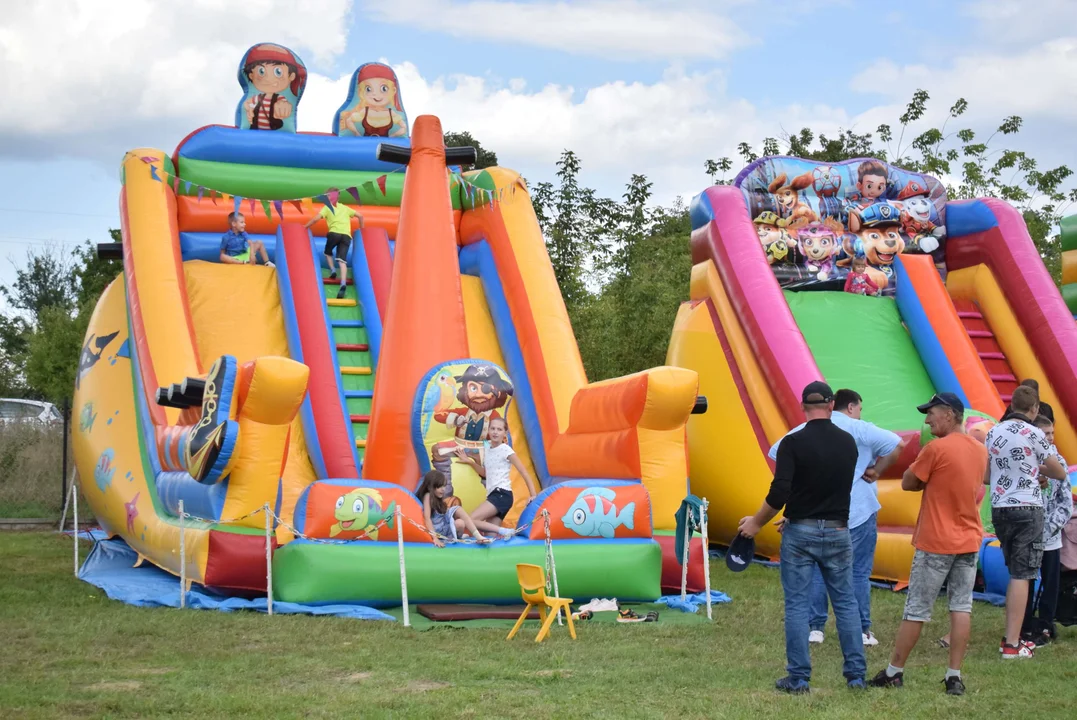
point(498, 459)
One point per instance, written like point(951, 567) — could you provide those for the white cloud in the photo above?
point(620, 29)
point(146, 61)
point(664, 129)
point(1017, 23)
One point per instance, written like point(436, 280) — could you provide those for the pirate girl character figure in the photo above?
point(373, 107)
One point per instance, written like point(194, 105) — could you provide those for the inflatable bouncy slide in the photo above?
point(226, 383)
point(961, 303)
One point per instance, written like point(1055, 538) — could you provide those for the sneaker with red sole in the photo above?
point(1016, 652)
point(1020, 643)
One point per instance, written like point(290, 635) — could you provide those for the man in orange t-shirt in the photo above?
point(949, 471)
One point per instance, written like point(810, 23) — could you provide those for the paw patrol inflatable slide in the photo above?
point(952, 297)
point(227, 381)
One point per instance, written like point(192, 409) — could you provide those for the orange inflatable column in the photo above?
point(426, 308)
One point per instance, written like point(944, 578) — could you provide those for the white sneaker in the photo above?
point(815, 637)
point(869, 639)
point(269, 264)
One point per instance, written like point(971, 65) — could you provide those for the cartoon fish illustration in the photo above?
point(87, 417)
point(103, 472)
point(359, 510)
point(593, 514)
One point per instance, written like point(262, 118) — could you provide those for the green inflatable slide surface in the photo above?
point(860, 343)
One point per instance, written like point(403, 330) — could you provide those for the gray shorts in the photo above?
point(929, 572)
point(1020, 533)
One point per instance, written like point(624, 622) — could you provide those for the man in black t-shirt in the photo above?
point(813, 477)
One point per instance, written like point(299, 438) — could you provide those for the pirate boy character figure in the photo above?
point(482, 395)
point(273, 78)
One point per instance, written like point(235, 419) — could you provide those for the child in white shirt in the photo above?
point(498, 459)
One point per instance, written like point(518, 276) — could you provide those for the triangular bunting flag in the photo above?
point(200, 191)
point(268, 212)
point(153, 173)
point(308, 205)
point(213, 196)
point(175, 185)
point(381, 183)
point(298, 204)
point(354, 191)
point(278, 205)
point(250, 204)
point(186, 187)
point(323, 199)
point(235, 203)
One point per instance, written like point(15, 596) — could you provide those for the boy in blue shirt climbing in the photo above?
point(237, 248)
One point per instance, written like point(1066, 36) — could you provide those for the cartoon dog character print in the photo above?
point(819, 243)
point(876, 235)
point(778, 245)
point(916, 223)
point(790, 207)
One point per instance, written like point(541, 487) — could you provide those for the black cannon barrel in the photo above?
point(163, 401)
point(193, 388)
point(110, 251)
point(402, 155)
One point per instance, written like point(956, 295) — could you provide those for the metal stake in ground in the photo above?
point(403, 573)
point(550, 560)
point(75, 510)
point(269, 559)
point(183, 560)
point(706, 555)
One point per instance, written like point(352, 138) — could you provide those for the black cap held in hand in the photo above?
point(740, 554)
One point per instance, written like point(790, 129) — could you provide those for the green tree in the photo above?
point(57, 293)
point(486, 158)
point(575, 223)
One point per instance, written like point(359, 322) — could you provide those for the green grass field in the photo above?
point(68, 651)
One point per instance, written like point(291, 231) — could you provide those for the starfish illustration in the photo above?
point(132, 511)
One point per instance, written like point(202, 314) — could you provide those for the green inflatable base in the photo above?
point(368, 573)
point(1069, 294)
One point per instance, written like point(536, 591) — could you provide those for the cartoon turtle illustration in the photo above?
point(359, 510)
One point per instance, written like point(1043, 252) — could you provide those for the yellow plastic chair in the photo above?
point(533, 590)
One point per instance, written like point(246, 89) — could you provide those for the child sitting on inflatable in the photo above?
point(494, 470)
point(237, 248)
point(444, 520)
point(858, 282)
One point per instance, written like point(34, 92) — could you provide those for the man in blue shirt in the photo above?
point(874, 446)
point(237, 248)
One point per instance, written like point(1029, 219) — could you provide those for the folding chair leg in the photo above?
point(546, 627)
point(519, 622)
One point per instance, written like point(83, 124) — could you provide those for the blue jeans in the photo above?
point(863, 538)
point(805, 548)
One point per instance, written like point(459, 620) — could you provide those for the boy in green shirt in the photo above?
point(338, 217)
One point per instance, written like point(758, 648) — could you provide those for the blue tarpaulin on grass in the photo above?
point(694, 601)
point(110, 566)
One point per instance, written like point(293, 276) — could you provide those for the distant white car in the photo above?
point(13, 410)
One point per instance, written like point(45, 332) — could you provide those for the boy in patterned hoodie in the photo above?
point(1057, 510)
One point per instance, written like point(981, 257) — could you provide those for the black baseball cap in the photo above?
point(816, 393)
point(945, 399)
point(740, 554)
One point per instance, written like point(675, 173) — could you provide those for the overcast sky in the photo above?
point(633, 86)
